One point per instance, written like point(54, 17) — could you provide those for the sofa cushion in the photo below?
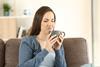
point(2, 53)
point(75, 52)
point(11, 52)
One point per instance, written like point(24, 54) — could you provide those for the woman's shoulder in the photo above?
point(30, 41)
point(28, 38)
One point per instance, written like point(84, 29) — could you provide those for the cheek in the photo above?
point(43, 25)
point(54, 25)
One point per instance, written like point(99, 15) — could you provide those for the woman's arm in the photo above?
point(26, 57)
point(60, 58)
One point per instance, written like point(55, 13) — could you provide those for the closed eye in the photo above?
point(52, 20)
point(46, 20)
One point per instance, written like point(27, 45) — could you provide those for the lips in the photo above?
point(50, 29)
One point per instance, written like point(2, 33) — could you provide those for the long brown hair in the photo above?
point(36, 26)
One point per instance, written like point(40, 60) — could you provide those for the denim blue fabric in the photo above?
point(31, 54)
point(48, 60)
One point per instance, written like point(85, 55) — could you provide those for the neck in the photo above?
point(42, 36)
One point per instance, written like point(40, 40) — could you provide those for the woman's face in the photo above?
point(48, 23)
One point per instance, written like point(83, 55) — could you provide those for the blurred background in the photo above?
point(78, 18)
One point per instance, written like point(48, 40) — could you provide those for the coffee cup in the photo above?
point(57, 33)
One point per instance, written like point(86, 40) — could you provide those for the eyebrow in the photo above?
point(48, 19)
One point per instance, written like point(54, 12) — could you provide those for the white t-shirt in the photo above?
point(48, 60)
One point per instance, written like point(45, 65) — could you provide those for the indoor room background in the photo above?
point(74, 17)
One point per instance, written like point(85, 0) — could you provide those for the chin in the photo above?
point(48, 32)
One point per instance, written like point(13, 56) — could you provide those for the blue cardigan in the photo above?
point(31, 55)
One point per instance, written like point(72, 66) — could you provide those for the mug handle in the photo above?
point(63, 33)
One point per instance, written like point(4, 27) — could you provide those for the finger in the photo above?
point(53, 37)
point(49, 35)
point(53, 40)
point(58, 42)
point(61, 39)
point(61, 36)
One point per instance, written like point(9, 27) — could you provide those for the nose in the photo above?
point(50, 23)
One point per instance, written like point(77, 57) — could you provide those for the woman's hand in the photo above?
point(58, 43)
point(51, 40)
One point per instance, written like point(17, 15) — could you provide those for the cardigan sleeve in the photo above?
point(60, 58)
point(26, 58)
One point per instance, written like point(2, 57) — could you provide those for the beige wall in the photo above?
point(73, 16)
point(1, 9)
point(96, 32)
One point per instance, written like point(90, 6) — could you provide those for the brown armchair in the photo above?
point(75, 52)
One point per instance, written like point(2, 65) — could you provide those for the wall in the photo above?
point(73, 16)
point(96, 32)
point(1, 8)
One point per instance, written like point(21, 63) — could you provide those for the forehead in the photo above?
point(48, 15)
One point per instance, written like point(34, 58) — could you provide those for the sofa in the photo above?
point(75, 52)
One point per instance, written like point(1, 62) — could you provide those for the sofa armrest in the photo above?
point(75, 51)
point(2, 53)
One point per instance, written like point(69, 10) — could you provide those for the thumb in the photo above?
point(49, 34)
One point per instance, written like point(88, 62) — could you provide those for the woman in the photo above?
point(40, 49)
